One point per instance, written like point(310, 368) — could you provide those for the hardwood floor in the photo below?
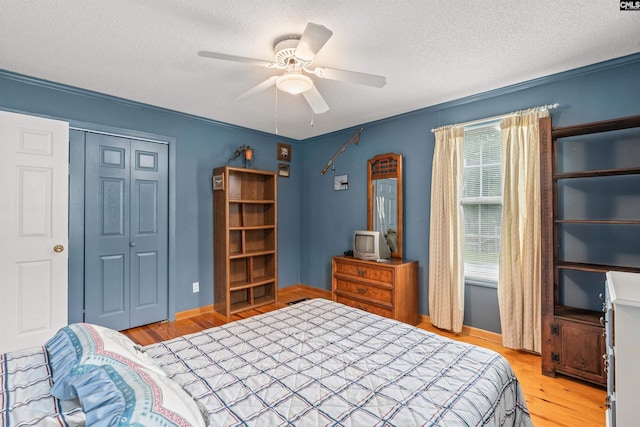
point(552, 401)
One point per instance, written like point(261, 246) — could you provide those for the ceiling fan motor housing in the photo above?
point(285, 51)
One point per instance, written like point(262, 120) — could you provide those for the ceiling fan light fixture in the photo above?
point(294, 83)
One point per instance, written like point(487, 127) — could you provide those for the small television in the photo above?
point(370, 245)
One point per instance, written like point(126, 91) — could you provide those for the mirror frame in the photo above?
point(380, 167)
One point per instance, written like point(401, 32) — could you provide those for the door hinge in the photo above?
point(555, 329)
point(555, 357)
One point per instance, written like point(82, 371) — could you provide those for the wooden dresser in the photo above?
point(388, 289)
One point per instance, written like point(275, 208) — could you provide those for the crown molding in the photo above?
point(529, 84)
point(61, 87)
point(588, 69)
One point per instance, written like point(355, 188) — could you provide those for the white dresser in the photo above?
point(622, 323)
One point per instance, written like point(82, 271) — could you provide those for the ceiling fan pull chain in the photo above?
point(276, 111)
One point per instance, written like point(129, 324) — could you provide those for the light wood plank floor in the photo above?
point(552, 401)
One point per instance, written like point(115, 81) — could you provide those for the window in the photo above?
point(482, 203)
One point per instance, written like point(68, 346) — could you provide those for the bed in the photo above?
point(314, 363)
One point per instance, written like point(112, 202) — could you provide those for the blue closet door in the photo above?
point(148, 253)
point(126, 231)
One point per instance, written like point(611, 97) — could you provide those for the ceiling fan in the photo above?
point(294, 54)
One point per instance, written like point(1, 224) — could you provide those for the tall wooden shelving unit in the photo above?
point(590, 225)
point(245, 239)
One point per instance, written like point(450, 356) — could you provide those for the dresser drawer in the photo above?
point(365, 291)
point(388, 289)
point(365, 271)
point(381, 311)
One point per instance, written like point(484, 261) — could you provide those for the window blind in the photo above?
point(482, 202)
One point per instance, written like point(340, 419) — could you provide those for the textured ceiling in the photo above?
point(429, 51)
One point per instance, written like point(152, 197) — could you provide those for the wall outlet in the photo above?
point(196, 287)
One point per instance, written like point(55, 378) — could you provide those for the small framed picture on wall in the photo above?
point(218, 182)
point(284, 152)
point(283, 170)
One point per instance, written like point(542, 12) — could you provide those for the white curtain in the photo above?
point(519, 277)
point(446, 231)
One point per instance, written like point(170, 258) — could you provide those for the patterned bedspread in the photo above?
point(25, 399)
point(322, 363)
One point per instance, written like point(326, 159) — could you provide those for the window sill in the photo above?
point(481, 283)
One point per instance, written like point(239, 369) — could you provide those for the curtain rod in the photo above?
point(500, 117)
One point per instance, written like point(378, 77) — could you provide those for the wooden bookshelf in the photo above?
point(590, 225)
point(245, 239)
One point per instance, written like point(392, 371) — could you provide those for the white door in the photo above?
point(34, 177)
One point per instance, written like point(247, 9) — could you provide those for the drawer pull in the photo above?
point(361, 273)
point(362, 291)
point(602, 321)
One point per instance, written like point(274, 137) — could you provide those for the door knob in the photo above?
point(58, 248)
point(132, 244)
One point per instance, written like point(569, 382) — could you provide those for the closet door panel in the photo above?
point(149, 232)
point(113, 285)
point(107, 219)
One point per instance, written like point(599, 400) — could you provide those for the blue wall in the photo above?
point(316, 222)
point(200, 145)
point(599, 92)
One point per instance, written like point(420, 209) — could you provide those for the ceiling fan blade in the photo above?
point(349, 76)
point(315, 100)
point(259, 88)
point(242, 59)
point(314, 37)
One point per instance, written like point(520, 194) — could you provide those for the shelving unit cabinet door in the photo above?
point(579, 351)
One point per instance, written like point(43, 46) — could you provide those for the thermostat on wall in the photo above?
point(341, 182)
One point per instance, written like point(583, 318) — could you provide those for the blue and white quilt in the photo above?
point(25, 398)
point(320, 363)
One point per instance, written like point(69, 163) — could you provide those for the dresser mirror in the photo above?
point(384, 197)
